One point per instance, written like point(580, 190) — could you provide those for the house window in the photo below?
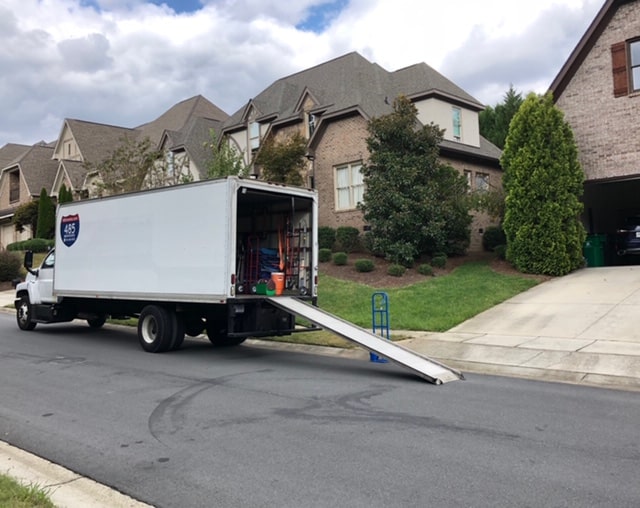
point(254, 135)
point(634, 61)
point(14, 186)
point(467, 175)
point(482, 182)
point(457, 123)
point(311, 122)
point(349, 186)
point(625, 63)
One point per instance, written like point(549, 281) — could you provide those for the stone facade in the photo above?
point(603, 125)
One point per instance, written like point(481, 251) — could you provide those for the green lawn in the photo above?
point(437, 304)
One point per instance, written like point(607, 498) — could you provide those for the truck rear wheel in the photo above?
point(156, 329)
point(218, 336)
point(97, 321)
point(23, 314)
point(193, 325)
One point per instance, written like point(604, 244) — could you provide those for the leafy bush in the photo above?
point(348, 238)
point(396, 270)
point(425, 269)
point(326, 237)
point(324, 255)
point(501, 251)
point(492, 237)
point(35, 245)
point(10, 265)
point(439, 260)
point(340, 258)
point(364, 265)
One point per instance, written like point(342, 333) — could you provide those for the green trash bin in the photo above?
point(593, 250)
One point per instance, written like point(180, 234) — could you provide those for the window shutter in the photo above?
point(619, 66)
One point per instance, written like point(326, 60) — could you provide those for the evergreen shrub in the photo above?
point(340, 258)
point(364, 265)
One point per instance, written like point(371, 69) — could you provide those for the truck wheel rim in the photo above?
point(23, 313)
point(149, 330)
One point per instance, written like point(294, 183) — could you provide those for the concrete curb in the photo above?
point(65, 488)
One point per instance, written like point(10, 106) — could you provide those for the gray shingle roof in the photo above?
point(349, 82)
point(37, 168)
point(177, 117)
point(96, 141)
point(10, 153)
point(352, 83)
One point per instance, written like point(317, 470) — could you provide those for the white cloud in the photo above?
point(125, 62)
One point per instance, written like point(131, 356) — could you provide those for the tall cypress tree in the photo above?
point(46, 216)
point(543, 181)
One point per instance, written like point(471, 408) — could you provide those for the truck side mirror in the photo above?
point(28, 262)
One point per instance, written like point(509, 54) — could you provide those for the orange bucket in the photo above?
point(278, 279)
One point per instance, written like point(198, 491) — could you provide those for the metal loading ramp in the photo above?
point(424, 367)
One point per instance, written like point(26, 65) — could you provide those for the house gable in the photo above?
point(593, 92)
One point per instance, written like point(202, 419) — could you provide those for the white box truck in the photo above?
point(183, 259)
point(235, 257)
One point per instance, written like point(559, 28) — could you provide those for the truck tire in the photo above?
point(23, 314)
point(193, 325)
point(156, 329)
point(97, 322)
point(219, 338)
point(177, 322)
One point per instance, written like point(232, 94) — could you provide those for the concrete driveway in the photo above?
point(580, 328)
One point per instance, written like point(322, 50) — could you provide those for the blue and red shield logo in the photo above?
point(69, 229)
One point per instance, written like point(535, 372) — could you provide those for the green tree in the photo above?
point(414, 204)
point(26, 215)
point(136, 165)
point(224, 159)
point(543, 182)
point(494, 122)
point(64, 194)
point(283, 161)
point(46, 216)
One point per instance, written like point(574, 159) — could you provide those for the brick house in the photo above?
point(330, 105)
point(598, 89)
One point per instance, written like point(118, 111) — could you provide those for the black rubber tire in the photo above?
point(97, 322)
point(177, 323)
point(23, 314)
point(156, 329)
point(219, 338)
point(193, 325)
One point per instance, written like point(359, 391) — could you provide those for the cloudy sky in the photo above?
point(124, 62)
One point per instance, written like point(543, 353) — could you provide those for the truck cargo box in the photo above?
point(200, 242)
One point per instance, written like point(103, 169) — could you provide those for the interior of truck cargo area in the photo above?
point(274, 244)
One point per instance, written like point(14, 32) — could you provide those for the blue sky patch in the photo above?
point(319, 17)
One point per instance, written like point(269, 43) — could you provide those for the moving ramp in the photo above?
point(424, 367)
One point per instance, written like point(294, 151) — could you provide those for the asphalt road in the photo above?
point(252, 427)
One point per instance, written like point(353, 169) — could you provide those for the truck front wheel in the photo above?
point(23, 314)
point(155, 329)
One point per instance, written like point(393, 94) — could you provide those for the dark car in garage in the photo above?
point(628, 237)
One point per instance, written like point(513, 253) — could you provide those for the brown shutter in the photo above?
point(619, 66)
